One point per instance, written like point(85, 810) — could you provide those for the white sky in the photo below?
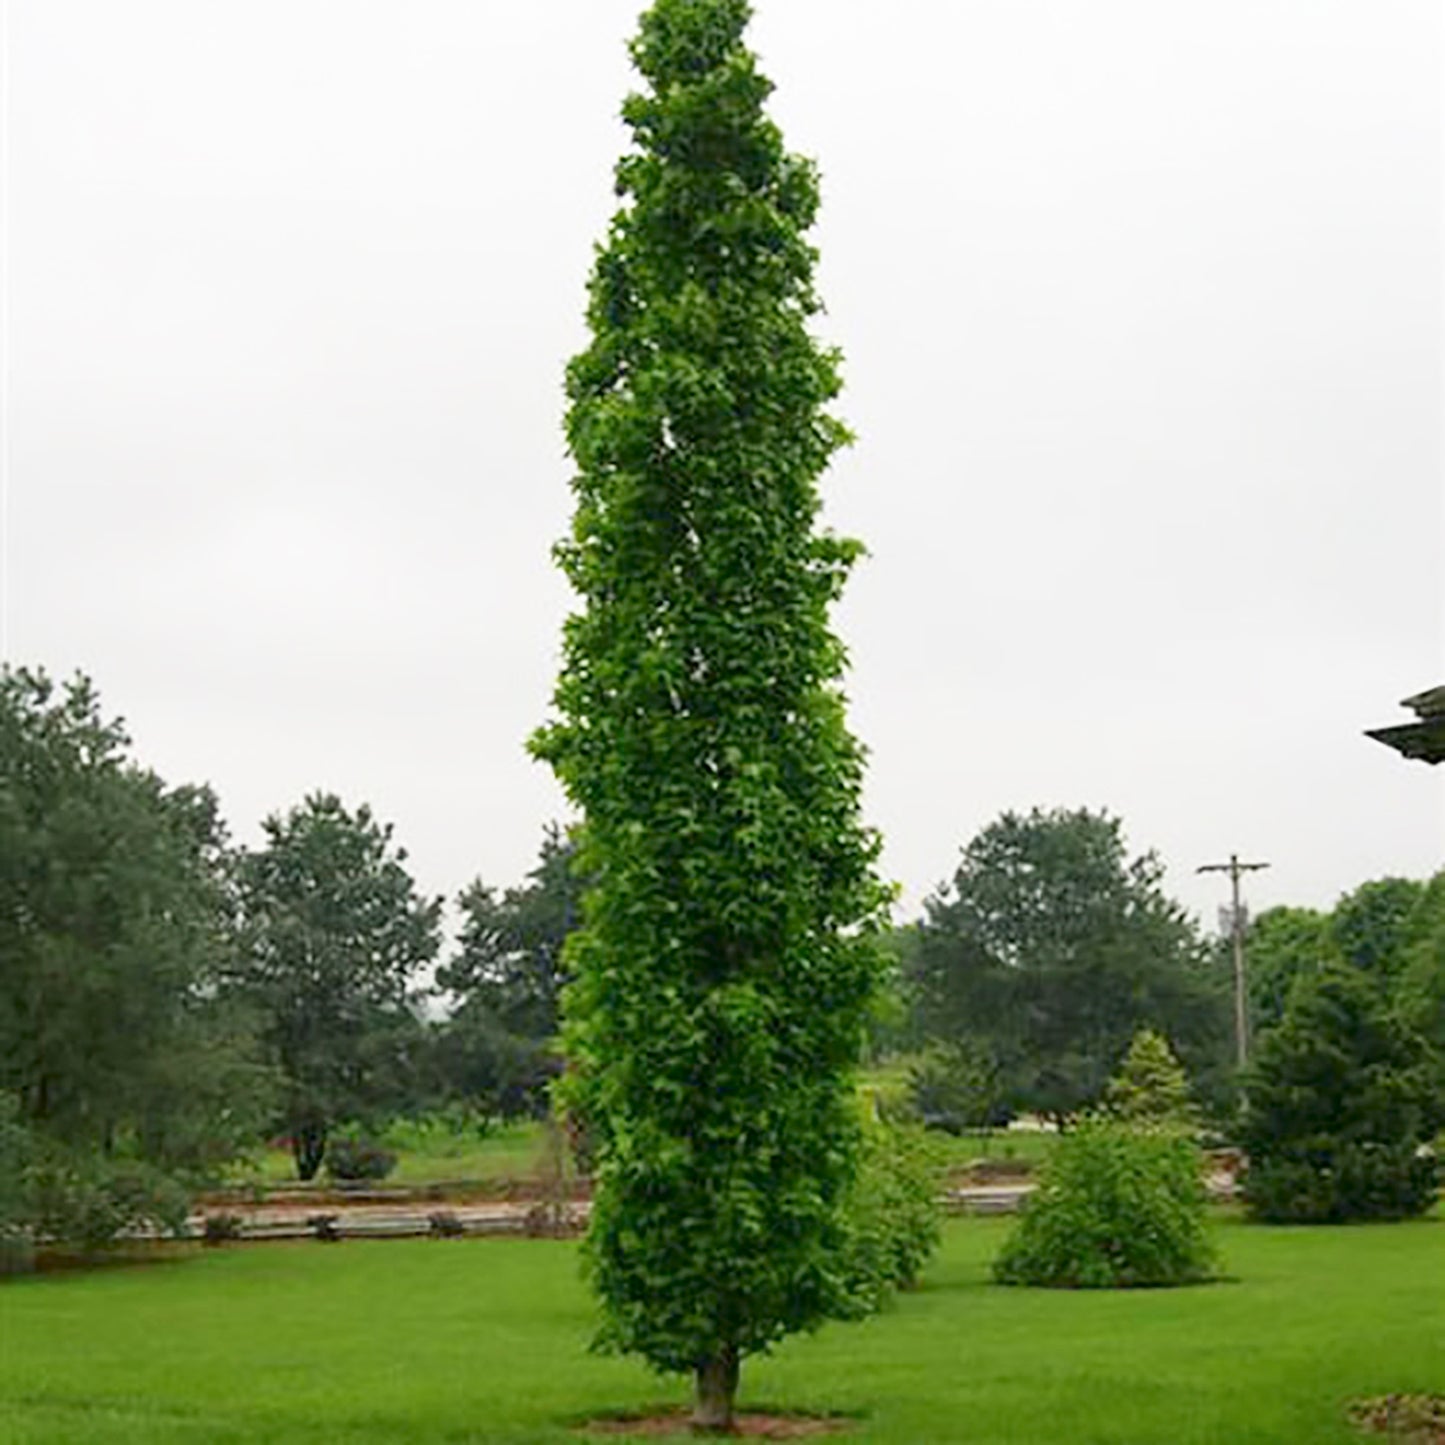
point(1142, 307)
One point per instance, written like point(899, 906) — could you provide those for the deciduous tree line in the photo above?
point(167, 999)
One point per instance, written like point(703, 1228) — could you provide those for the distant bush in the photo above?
point(16, 1208)
point(1338, 1106)
point(90, 1200)
point(957, 1087)
point(219, 1229)
point(75, 1196)
point(893, 1212)
point(1118, 1206)
point(352, 1157)
point(325, 1227)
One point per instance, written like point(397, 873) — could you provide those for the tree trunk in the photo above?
point(716, 1388)
point(308, 1148)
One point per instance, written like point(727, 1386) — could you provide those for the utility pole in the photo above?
point(1236, 927)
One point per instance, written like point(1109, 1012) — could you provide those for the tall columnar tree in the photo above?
point(729, 953)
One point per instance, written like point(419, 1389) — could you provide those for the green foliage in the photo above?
point(1283, 944)
point(335, 934)
point(509, 947)
point(1371, 926)
point(353, 1157)
point(1420, 989)
point(1117, 1206)
point(956, 1087)
point(498, 1048)
point(125, 1073)
point(729, 958)
point(89, 1199)
point(893, 1212)
point(1052, 948)
point(1339, 1099)
point(1150, 1086)
point(17, 1213)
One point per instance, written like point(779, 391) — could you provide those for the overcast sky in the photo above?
point(1142, 310)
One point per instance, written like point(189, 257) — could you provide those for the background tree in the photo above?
point(335, 936)
point(124, 1071)
point(498, 1047)
point(1282, 944)
point(955, 1086)
point(728, 958)
point(1420, 989)
point(1371, 926)
point(1339, 1099)
point(1051, 947)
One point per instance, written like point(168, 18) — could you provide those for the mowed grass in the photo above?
point(429, 1153)
point(485, 1340)
point(510, 1152)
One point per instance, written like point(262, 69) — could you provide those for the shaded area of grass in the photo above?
point(485, 1341)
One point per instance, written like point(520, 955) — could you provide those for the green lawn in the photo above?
point(1011, 1146)
point(483, 1340)
point(429, 1156)
point(515, 1151)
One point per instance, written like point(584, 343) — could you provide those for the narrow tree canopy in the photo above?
point(729, 953)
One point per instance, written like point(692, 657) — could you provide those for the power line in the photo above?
point(1241, 1019)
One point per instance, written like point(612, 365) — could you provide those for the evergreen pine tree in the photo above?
point(1338, 1101)
point(1150, 1086)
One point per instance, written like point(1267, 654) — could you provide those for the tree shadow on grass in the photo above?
point(53, 1260)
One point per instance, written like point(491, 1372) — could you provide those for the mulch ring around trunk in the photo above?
point(747, 1424)
point(1410, 1419)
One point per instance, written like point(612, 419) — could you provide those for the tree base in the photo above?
point(750, 1425)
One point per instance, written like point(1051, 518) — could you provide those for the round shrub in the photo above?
point(351, 1158)
point(1117, 1207)
point(1337, 1182)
